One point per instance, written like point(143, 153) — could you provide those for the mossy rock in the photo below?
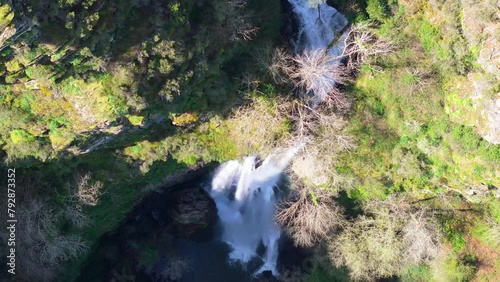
point(135, 120)
point(185, 119)
point(60, 138)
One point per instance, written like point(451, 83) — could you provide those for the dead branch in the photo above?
point(310, 216)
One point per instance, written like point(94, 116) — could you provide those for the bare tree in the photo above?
point(309, 216)
point(369, 248)
point(320, 130)
point(320, 74)
point(44, 249)
point(360, 43)
point(280, 65)
point(237, 19)
point(88, 193)
point(422, 242)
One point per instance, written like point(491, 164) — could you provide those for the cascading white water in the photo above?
point(318, 26)
point(246, 199)
point(317, 34)
point(245, 194)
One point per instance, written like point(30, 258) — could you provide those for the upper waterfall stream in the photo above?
point(318, 27)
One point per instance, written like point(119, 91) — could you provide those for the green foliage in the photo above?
point(331, 274)
point(135, 120)
point(454, 230)
point(60, 138)
point(377, 9)
point(417, 273)
point(6, 16)
point(428, 36)
point(443, 39)
point(20, 136)
point(23, 153)
point(454, 269)
point(405, 138)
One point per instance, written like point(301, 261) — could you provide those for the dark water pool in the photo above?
point(145, 245)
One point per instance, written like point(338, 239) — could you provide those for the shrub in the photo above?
point(488, 229)
point(377, 9)
point(60, 138)
point(42, 245)
point(23, 152)
point(428, 35)
point(258, 127)
point(448, 267)
point(185, 119)
point(390, 237)
point(416, 273)
point(19, 136)
point(135, 120)
point(6, 16)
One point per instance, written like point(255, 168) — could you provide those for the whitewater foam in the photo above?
point(245, 195)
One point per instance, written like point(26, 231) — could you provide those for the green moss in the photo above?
point(135, 120)
point(60, 138)
point(20, 136)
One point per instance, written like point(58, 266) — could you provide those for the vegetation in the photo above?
point(399, 171)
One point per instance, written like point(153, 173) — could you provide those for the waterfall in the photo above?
point(244, 192)
point(245, 195)
point(318, 27)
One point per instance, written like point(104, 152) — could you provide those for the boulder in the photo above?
point(192, 210)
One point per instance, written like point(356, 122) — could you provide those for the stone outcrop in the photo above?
point(475, 102)
point(481, 28)
point(191, 210)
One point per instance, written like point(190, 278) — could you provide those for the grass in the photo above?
point(417, 273)
point(400, 106)
point(320, 274)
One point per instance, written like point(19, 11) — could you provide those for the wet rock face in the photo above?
point(191, 210)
